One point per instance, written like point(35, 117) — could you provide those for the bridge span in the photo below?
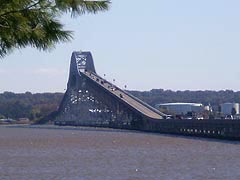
point(124, 96)
point(91, 100)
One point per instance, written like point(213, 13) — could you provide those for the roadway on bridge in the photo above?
point(140, 107)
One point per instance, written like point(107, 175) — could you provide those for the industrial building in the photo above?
point(181, 108)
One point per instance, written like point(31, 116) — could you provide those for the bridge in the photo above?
point(91, 100)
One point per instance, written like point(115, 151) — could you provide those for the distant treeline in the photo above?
point(214, 98)
point(37, 106)
point(28, 105)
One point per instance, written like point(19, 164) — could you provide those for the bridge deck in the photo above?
point(140, 107)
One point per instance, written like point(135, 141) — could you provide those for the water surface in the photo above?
point(68, 153)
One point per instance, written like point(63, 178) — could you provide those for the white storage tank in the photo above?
point(181, 108)
point(227, 108)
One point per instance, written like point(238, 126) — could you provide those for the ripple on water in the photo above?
point(50, 152)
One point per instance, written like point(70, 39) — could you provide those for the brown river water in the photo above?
point(68, 153)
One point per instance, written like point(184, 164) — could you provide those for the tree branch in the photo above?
point(20, 10)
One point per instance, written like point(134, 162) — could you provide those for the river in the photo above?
point(82, 153)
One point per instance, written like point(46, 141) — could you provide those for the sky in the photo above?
point(157, 44)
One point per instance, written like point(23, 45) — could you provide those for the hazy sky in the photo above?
point(173, 44)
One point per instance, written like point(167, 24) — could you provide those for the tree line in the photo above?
point(28, 105)
point(206, 97)
point(37, 106)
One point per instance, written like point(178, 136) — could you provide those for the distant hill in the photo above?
point(28, 105)
point(39, 105)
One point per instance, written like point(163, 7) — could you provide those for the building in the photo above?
point(228, 108)
point(180, 108)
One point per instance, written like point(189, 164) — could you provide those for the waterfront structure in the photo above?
point(230, 108)
point(90, 100)
point(181, 108)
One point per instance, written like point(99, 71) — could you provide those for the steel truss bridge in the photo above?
point(91, 100)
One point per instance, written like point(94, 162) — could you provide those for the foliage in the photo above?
point(28, 105)
point(214, 98)
point(36, 22)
